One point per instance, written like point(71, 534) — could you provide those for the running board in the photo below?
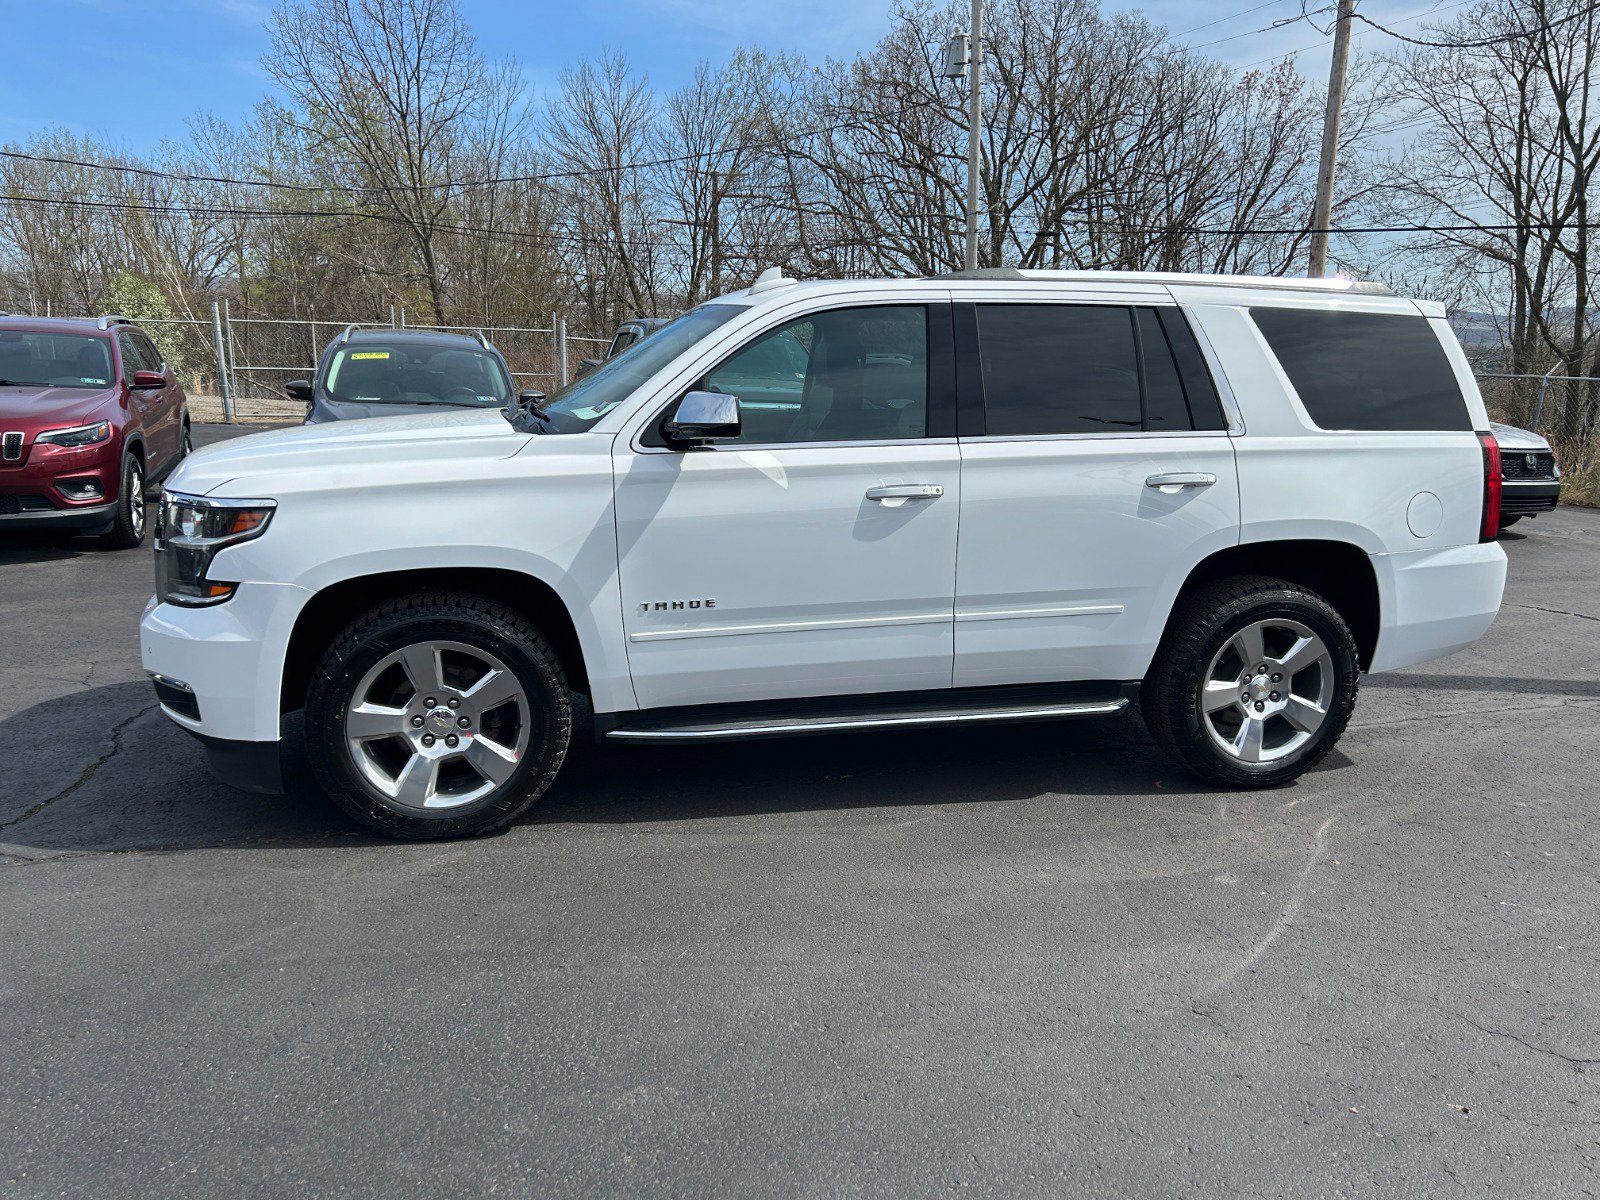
point(690, 725)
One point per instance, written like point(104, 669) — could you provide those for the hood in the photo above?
point(329, 409)
point(1512, 438)
point(340, 453)
point(33, 409)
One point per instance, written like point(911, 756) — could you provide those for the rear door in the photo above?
point(1096, 471)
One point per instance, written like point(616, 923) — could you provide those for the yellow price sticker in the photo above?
point(370, 354)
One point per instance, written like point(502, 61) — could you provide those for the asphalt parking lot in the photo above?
point(1020, 961)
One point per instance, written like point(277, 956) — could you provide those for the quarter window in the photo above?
point(855, 374)
point(1372, 371)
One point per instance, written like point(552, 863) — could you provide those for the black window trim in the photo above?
point(972, 405)
point(942, 359)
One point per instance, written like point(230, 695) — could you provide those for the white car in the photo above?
point(1531, 480)
point(806, 507)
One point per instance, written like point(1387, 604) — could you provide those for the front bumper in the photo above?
point(228, 656)
point(1521, 499)
point(90, 518)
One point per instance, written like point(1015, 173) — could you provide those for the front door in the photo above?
point(1102, 475)
point(814, 555)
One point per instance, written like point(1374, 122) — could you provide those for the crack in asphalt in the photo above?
point(1577, 701)
point(1577, 1064)
point(1558, 612)
point(88, 772)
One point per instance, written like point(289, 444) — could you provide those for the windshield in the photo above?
point(370, 372)
point(66, 360)
point(585, 400)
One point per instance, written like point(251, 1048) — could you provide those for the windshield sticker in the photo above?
point(370, 354)
point(87, 379)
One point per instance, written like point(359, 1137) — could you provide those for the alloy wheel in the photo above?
point(438, 724)
point(1267, 691)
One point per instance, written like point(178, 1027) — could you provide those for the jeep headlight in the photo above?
point(189, 532)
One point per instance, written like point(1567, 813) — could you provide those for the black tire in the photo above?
point(128, 527)
point(464, 618)
point(185, 443)
point(1508, 522)
point(1203, 623)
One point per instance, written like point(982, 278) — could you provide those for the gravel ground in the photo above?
point(1020, 961)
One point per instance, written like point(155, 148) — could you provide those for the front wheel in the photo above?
point(127, 528)
point(435, 716)
point(1254, 682)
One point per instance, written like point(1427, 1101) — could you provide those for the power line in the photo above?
point(388, 188)
point(1480, 43)
point(1233, 37)
point(1244, 12)
point(1430, 11)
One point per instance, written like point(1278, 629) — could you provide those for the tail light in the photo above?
point(1491, 488)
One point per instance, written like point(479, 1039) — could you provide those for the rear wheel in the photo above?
point(127, 528)
point(436, 716)
point(1254, 682)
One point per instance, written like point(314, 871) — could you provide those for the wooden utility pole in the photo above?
point(1322, 210)
point(974, 127)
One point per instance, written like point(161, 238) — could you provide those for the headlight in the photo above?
point(189, 532)
point(78, 435)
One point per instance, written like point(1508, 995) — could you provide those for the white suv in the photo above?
point(994, 496)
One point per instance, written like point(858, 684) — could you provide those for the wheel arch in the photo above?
point(333, 607)
point(1340, 572)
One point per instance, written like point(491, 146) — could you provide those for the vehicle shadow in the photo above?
point(26, 548)
point(135, 782)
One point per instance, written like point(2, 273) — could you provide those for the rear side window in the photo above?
point(1065, 368)
point(1370, 371)
point(1058, 368)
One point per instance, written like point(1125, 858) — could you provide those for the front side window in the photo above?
point(55, 360)
point(847, 375)
point(377, 372)
point(132, 356)
point(1368, 371)
point(1058, 368)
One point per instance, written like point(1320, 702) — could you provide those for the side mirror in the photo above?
point(530, 396)
point(149, 379)
point(298, 389)
point(704, 417)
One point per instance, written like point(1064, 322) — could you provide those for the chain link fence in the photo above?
point(235, 368)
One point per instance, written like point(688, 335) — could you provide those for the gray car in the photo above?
point(383, 372)
point(1531, 480)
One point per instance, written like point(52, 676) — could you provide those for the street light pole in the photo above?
point(1322, 210)
point(974, 126)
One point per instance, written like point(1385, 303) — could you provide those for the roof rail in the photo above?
point(348, 330)
point(106, 322)
point(484, 338)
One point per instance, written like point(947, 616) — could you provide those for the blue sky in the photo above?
point(134, 72)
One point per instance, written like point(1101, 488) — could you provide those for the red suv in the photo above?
point(90, 417)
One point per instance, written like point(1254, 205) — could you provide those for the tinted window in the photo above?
point(1058, 368)
point(132, 357)
point(1365, 370)
point(850, 375)
point(1165, 407)
point(148, 349)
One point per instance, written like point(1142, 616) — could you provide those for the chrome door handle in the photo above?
point(1173, 480)
point(906, 491)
